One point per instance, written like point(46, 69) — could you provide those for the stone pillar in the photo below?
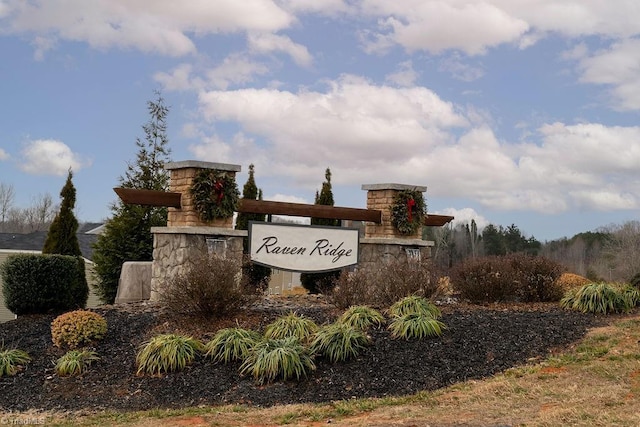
point(175, 249)
point(381, 197)
point(181, 178)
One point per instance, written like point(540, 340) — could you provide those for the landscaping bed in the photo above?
point(479, 341)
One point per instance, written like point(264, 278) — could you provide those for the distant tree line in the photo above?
point(610, 253)
point(14, 219)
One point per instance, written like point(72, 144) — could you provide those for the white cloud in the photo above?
point(410, 135)
point(436, 26)
point(3, 154)
point(460, 70)
point(50, 157)
point(337, 128)
point(235, 70)
point(619, 68)
point(405, 76)
point(266, 43)
point(159, 26)
point(464, 216)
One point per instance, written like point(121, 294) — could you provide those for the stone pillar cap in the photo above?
point(391, 186)
point(202, 165)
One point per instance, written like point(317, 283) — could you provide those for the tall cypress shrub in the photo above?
point(258, 274)
point(318, 282)
point(62, 236)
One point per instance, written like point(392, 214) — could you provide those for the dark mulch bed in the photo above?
point(478, 342)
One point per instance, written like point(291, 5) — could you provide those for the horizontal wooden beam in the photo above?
point(172, 199)
point(437, 220)
point(135, 196)
point(313, 211)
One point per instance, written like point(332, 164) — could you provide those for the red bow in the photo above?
point(410, 204)
point(219, 188)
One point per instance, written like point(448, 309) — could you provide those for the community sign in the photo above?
point(303, 248)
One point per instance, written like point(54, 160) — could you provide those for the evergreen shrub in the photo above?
point(77, 328)
point(38, 283)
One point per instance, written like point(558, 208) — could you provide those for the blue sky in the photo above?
point(509, 111)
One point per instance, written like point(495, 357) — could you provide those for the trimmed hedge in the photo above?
point(38, 283)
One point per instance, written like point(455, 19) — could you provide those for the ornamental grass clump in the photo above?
point(362, 317)
point(12, 361)
point(77, 328)
point(291, 325)
point(415, 326)
point(338, 342)
point(414, 304)
point(415, 317)
point(596, 298)
point(167, 353)
point(283, 358)
point(75, 362)
point(231, 344)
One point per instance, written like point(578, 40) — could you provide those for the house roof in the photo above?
point(35, 242)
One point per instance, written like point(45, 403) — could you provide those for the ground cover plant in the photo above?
point(284, 358)
point(601, 298)
point(338, 342)
point(167, 353)
point(75, 362)
point(12, 360)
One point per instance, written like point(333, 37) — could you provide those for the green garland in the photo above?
point(215, 194)
point(408, 211)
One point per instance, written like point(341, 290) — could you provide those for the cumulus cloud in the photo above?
point(159, 26)
point(266, 43)
point(335, 125)
point(3, 155)
point(435, 26)
point(411, 135)
point(464, 216)
point(473, 27)
point(617, 67)
point(404, 76)
point(50, 157)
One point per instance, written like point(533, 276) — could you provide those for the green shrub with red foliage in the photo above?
point(514, 278)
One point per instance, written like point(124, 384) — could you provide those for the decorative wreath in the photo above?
point(408, 211)
point(215, 194)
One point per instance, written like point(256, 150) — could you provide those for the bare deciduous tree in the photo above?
point(7, 196)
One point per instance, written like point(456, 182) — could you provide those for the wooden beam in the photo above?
point(437, 220)
point(134, 196)
point(314, 211)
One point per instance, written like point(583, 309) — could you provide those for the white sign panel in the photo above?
point(302, 247)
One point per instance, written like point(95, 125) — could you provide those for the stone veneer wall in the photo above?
point(381, 197)
point(176, 248)
point(181, 178)
point(376, 252)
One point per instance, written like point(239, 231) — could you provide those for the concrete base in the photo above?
point(135, 282)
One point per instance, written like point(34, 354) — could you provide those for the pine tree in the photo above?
point(258, 274)
point(319, 282)
point(127, 235)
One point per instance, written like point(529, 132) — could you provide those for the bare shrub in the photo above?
point(515, 277)
point(384, 286)
point(212, 287)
